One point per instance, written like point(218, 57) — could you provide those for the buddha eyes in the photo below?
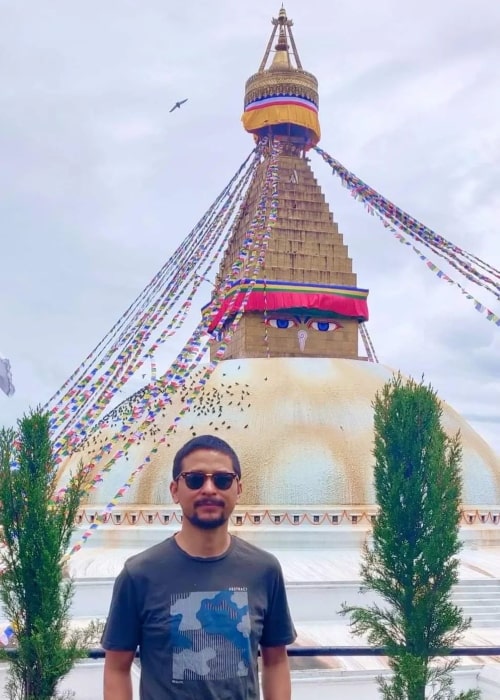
point(284, 323)
point(324, 326)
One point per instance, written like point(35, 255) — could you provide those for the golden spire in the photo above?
point(281, 60)
point(285, 40)
point(283, 93)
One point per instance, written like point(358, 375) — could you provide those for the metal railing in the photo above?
point(98, 652)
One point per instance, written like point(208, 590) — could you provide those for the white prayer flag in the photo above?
point(6, 384)
point(6, 635)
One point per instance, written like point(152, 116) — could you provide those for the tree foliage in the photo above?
point(36, 531)
point(411, 562)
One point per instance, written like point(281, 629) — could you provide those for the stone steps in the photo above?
point(479, 600)
point(315, 601)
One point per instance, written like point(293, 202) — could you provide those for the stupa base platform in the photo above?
point(321, 558)
point(130, 529)
point(319, 577)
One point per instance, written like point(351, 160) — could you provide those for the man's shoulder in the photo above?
point(255, 554)
point(152, 556)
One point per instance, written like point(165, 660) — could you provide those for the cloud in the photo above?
point(100, 183)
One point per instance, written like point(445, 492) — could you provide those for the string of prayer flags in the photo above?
point(185, 363)
point(396, 220)
point(86, 400)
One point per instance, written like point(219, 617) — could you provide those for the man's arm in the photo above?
point(117, 678)
point(276, 684)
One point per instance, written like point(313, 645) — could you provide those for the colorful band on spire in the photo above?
point(282, 109)
point(262, 102)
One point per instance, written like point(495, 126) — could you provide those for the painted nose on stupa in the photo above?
point(302, 336)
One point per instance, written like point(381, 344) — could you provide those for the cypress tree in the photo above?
point(411, 562)
point(36, 531)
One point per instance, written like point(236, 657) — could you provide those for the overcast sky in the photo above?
point(99, 183)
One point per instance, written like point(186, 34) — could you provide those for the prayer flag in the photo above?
point(6, 384)
point(6, 635)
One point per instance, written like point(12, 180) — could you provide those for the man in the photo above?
point(200, 603)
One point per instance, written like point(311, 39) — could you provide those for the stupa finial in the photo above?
point(283, 27)
point(282, 98)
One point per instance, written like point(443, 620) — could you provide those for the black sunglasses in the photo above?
point(195, 480)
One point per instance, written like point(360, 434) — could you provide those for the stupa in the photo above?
point(287, 385)
point(291, 391)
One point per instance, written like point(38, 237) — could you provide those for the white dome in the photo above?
point(303, 429)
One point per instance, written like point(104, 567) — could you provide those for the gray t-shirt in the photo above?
point(199, 621)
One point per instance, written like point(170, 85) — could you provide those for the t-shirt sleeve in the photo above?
point(278, 626)
point(122, 629)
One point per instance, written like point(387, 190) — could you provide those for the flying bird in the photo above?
point(177, 105)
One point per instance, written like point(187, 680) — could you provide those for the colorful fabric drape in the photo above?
point(270, 295)
point(282, 109)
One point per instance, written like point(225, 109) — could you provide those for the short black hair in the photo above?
point(205, 442)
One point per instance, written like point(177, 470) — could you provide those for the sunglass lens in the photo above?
point(194, 481)
point(223, 481)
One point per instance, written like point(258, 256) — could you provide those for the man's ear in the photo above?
point(174, 486)
point(240, 489)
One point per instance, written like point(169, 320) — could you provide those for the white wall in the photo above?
point(308, 602)
point(86, 681)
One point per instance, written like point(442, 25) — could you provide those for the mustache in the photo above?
point(209, 502)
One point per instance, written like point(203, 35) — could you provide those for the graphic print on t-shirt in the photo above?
point(210, 635)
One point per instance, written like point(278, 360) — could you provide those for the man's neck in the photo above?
point(203, 543)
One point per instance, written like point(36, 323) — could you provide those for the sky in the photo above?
point(99, 182)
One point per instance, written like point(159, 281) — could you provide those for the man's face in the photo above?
point(206, 507)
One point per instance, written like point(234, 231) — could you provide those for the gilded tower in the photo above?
point(305, 301)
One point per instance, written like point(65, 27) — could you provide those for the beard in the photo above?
point(206, 524)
